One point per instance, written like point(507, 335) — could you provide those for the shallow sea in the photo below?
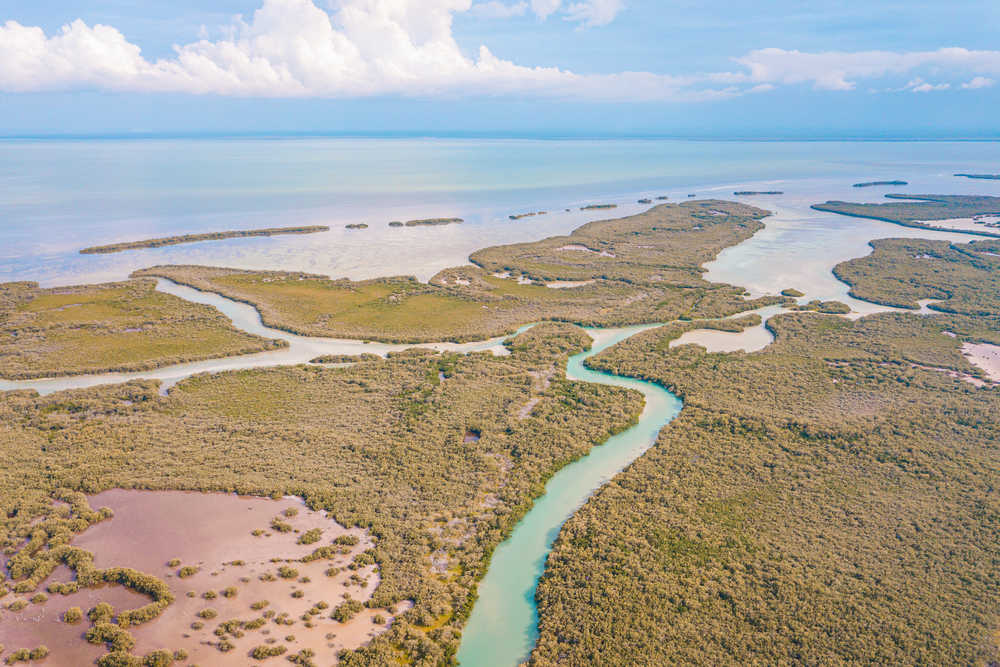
point(57, 196)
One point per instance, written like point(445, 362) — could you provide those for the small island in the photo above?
point(872, 184)
point(663, 198)
point(430, 222)
point(195, 238)
point(793, 293)
point(645, 201)
point(520, 216)
point(982, 177)
point(595, 207)
point(359, 225)
point(743, 193)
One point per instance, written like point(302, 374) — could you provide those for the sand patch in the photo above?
point(568, 284)
point(984, 356)
point(528, 408)
point(160, 532)
point(750, 339)
point(574, 247)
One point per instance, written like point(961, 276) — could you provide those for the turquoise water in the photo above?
point(57, 196)
point(504, 623)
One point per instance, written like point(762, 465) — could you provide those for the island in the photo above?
point(521, 216)
point(743, 193)
point(982, 177)
point(359, 225)
point(196, 238)
point(871, 184)
point(430, 222)
point(595, 207)
point(918, 210)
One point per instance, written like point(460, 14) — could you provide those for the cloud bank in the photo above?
point(292, 48)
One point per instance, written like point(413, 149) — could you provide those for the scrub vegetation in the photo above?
point(640, 269)
point(391, 457)
point(959, 278)
point(126, 326)
point(918, 210)
point(194, 238)
point(828, 500)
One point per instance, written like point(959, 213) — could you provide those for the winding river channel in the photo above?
point(504, 623)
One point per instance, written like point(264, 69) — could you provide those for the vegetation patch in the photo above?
point(793, 510)
point(958, 278)
point(391, 458)
point(127, 326)
point(918, 210)
point(644, 268)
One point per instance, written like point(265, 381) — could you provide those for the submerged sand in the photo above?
point(214, 533)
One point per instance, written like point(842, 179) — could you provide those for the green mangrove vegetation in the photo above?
point(917, 210)
point(392, 457)
point(872, 184)
point(957, 278)
point(125, 326)
point(828, 500)
point(195, 238)
point(982, 177)
point(639, 269)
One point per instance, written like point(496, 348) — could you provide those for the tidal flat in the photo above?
point(219, 552)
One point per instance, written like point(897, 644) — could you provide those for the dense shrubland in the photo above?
point(644, 268)
point(960, 278)
point(380, 445)
point(123, 326)
point(921, 210)
point(823, 501)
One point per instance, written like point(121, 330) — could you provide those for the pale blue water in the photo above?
point(57, 196)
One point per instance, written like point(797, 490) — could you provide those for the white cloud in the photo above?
point(545, 8)
point(592, 13)
point(979, 82)
point(495, 9)
point(930, 87)
point(292, 48)
point(837, 70)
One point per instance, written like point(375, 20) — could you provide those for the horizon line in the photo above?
point(428, 134)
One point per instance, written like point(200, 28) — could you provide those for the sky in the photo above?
point(777, 69)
